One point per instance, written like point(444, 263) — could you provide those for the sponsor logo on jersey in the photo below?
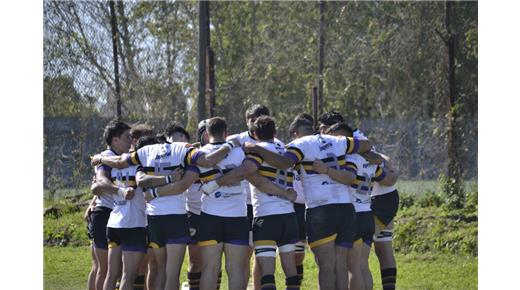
point(326, 146)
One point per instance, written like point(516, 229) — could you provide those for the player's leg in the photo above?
point(286, 249)
point(321, 238)
point(133, 246)
point(345, 215)
point(235, 265)
point(157, 242)
point(99, 217)
point(365, 269)
point(91, 284)
point(211, 259)
point(354, 270)
point(299, 253)
point(175, 257)
point(160, 260)
point(267, 264)
point(151, 272)
point(194, 267)
point(257, 272)
point(385, 254)
point(114, 266)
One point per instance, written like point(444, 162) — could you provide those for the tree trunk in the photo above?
point(321, 56)
point(115, 38)
point(203, 44)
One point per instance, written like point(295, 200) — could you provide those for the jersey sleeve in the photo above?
point(380, 174)
point(135, 157)
point(103, 166)
point(256, 158)
point(190, 159)
point(295, 151)
point(350, 165)
point(352, 145)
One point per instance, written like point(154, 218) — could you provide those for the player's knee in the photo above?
point(385, 235)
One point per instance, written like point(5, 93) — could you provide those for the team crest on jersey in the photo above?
point(259, 222)
point(164, 152)
point(218, 194)
point(193, 231)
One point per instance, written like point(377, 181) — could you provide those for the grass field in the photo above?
point(67, 269)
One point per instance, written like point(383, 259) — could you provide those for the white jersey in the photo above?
point(243, 138)
point(381, 189)
point(127, 213)
point(226, 201)
point(320, 189)
point(194, 196)
point(298, 187)
point(163, 159)
point(265, 204)
point(366, 175)
point(105, 199)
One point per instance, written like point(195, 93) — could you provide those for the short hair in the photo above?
point(299, 123)
point(331, 118)
point(264, 128)
point(342, 126)
point(140, 130)
point(257, 110)
point(161, 138)
point(174, 128)
point(114, 128)
point(305, 116)
point(145, 141)
point(216, 126)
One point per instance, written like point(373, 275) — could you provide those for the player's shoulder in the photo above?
point(108, 152)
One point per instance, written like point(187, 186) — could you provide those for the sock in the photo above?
point(299, 270)
point(219, 279)
point(388, 278)
point(118, 283)
point(194, 280)
point(267, 283)
point(293, 282)
point(139, 282)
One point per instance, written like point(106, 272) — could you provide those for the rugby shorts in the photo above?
point(365, 227)
point(299, 210)
point(384, 207)
point(194, 224)
point(98, 226)
point(216, 229)
point(250, 216)
point(130, 239)
point(277, 229)
point(168, 229)
point(331, 222)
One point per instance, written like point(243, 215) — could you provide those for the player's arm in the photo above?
point(175, 188)
point(118, 162)
point(146, 181)
point(355, 145)
point(104, 185)
point(211, 159)
point(249, 166)
point(373, 157)
point(276, 160)
point(346, 177)
point(386, 175)
point(265, 185)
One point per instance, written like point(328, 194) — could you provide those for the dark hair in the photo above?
point(114, 128)
point(342, 126)
point(140, 130)
point(161, 138)
point(256, 110)
point(216, 126)
point(305, 116)
point(174, 128)
point(331, 118)
point(264, 128)
point(145, 141)
point(299, 123)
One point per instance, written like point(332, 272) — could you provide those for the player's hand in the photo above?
point(177, 174)
point(129, 193)
point(320, 166)
point(208, 188)
point(95, 160)
point(291, 194)
point(249, 147)
point(148, 196)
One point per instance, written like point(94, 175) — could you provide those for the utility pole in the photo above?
point(115, 37)
point(203, 45)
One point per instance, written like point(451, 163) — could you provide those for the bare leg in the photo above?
point(365, 269)
point(174, 258)
point(131, 261)
point(114, 268)
point(152, 270)
point(194, 255)
point(211, 260)
point(160, 259)
point(102, 259)
point(325, 257)
point(384, 250)
point(257, 274)
point(341, 268)
point(91, 284)
point(235, 266)
point(288, 264)
point(354, 270)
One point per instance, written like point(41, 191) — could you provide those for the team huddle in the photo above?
point(157, 195)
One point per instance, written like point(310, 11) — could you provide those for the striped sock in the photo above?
point(267, 283)
point(194, 280)
point(299, 270)
point(139, 282)
point(293, 283)
point(388, 278)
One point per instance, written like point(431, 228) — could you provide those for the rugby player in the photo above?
point(275, 223)
point(254, 111)
point(91, 282)
point(330, 215)
point(117, 137)
point(167, 219)
point(367, 176)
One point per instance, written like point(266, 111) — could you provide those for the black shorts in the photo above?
point(130, 239)
point(299, 210)
point(384, 207)
point(194, 224)
point(365, 227)
point(250, 216)
point(216, 229)
point(279, 229)
point(168, 229)
point(331, 222)
point(98, 226)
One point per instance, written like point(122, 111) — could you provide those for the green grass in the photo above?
point(68, 268)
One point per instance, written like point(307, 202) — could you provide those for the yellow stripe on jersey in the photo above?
point(133, 158)
point(342, 162)
point(351, 165)
point(207, 243)
point(255, 157)
point(124, 183)
point(379, 171)
point(265, 243)
point(307, 167)
point(267, 173)
point(189, 156)
point(323, 241)
point(350, 145)
point(209, 178)
point(297, 152)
